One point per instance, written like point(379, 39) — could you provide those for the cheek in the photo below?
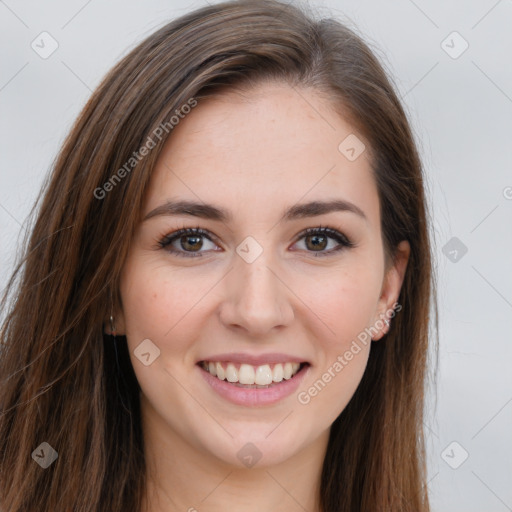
point(146, 302)
point(333, 386)
point(157, 306)
point(345, 300)
point(152, 302)
point(162, 304)
point(346, 305)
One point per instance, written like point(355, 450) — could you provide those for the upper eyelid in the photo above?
point(172, 237)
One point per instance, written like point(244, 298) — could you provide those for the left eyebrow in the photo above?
point(208, 211)
point(315, 208)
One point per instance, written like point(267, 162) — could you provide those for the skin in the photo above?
point(254, 153)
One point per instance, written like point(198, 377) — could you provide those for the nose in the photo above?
point(256, 297)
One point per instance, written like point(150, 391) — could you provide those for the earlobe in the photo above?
point(114, 322)
point(114, 326)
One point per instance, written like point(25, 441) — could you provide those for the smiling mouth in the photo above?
point(250, 376)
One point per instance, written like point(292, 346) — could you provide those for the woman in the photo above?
point(225, 297)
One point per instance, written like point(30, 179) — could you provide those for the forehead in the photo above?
point(261, 149)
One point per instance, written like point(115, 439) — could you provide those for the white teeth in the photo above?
point(287, 369)
point(263, 375)
point(277, 374)
point(247, 374)
point(231, 373)
point(220, 371)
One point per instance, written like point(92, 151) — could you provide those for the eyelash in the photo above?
point(344, 242)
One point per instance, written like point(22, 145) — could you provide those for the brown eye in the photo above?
point(191, 243)
point(187, 242)
point(316, 242)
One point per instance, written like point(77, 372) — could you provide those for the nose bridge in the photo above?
point(258, 283)
point(256, 299)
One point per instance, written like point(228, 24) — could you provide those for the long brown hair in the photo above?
point(64, 382)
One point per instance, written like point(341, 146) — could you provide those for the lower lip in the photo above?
point(255, 396)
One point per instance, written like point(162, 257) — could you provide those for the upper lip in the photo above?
point(255, 360)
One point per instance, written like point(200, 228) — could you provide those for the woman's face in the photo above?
point(252, 292)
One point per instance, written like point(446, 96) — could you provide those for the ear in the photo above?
point(391, 287)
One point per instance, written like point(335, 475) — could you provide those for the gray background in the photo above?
point(461, 111)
